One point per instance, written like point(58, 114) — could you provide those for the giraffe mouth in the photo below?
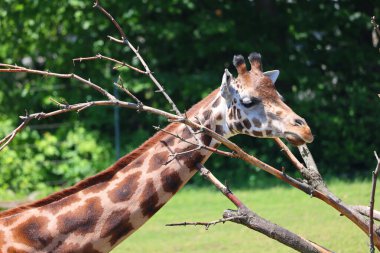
point(296, 139)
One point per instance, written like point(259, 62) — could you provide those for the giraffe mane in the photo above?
point(108, 173)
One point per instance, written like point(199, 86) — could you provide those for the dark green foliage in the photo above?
point(329, 75)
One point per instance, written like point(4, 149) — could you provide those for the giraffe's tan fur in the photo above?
point(101, 211)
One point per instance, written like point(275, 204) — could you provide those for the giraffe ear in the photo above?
point(273, 74)
point(225, 88)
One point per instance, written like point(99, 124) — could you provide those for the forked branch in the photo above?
point(243, 215)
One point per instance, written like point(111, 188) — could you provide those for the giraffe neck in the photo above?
point(100, 212)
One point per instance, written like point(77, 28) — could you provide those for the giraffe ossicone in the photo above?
point(99, 212)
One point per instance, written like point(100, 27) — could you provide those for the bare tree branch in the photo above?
point(206, 224)
point(13, 68)
point(7, 139)
point(299, 166)
point(99, 56)
point(372, 203)
point(251, 220)
point(205, 173)
point(125, 41)
point(320, 190)
point(255, 222)
point(126, 91)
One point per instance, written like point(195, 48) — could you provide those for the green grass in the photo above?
point(290, 208)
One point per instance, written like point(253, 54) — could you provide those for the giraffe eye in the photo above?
point(249, 103)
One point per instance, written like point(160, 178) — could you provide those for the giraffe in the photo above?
point(99, 212)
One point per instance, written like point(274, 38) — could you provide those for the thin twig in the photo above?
point(99, 56)
point(59, 75)
point(96, 5)
point(206, 224)
point(289, 154)
point(7, 139)
point(372, 203)
point(126, 91)
point(205, 173)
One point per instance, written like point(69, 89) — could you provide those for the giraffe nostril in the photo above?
point(299, 122)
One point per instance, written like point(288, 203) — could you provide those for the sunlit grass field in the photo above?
point(285, 206)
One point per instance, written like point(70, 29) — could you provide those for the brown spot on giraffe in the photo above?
point(33, 232)
point(268, 132)
point(206, 114)
point(67, 248)
point(257, 133)
point(171, 181)
point(256, 122)
point(219, 129)
point(125, 188)
point(206, 139)
point(83, 219)
point(238, 114)
point(157, 160)
point(190, 159)
point(117, 226)
point(136, 163)
point(238, 126)
point(149, 199)
point(89, 248)
point(186, 134)
point(247, 124)
point(219, 117)
point(56, 247)
point(216, 102)
point(230, 114)
point(15, 250)
point(58, 205)
point(168, 141)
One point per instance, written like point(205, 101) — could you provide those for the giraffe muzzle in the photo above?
point(301, 138)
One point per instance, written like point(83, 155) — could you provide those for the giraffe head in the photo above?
point(255, 108)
